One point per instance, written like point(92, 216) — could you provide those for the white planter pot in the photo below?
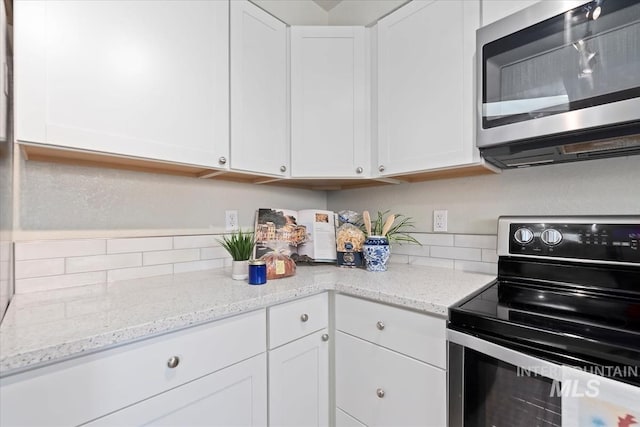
point(240, 270)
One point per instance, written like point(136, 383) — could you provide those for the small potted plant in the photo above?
point(380, 233)
point(240, 247)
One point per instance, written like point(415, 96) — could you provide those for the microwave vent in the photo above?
point(602, 145)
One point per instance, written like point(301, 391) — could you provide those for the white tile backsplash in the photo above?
point(39, 268)
point(59, 248)
point(489, 255)
point(139, 244)
point(167, 257)
point(58, 282)
point(46, 265)
point(60, 264)
point(469, 254)
point(139, 272)
point(185, 242)
point(102, 262)
point(475, 241)
point(184, 267)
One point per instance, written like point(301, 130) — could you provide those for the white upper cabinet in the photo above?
point(493, 10)
point(329, 102)
point(4, 75)
point(425, 96)
point(259, 91)
point(134, 78)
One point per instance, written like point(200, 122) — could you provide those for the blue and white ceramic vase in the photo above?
point(376, 253)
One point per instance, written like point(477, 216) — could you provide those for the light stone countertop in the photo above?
point(49, 326)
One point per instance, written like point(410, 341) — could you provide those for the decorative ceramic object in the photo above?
point(376, 253)
point(240, 270)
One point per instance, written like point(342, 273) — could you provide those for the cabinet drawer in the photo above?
point(79, 390)
point(296, 319)
point(381, 387)
point(414, 334)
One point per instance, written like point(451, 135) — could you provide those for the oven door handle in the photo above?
point(521, 360)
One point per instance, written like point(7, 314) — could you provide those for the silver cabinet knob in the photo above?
point(381, 168)
point(222, 160)
point(380, 393)
point(325, 337)
point(283, 168)
point(380, 325)
point(173, 362)
point(359, 169)
point(304, 317)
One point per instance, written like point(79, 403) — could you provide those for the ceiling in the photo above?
point(327, 4)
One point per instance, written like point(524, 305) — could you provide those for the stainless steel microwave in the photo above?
point(559, 82)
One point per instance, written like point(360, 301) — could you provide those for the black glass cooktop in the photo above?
point(587, 316)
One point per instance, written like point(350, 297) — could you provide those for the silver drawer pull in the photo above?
point(380, 325)
point(173, 362)
point(222, 160)
point(304, 317)
point(325, 337)
point(380, 393)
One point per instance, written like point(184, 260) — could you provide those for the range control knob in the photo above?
point(523, 235)
point(551, 237)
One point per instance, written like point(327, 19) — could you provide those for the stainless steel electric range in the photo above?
point(555, 340)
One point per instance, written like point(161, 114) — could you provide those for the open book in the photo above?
point(309, 232)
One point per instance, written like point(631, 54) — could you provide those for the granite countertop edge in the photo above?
point(20, 360)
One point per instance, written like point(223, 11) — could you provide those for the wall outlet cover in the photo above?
point(440, 221)
point(231, 220)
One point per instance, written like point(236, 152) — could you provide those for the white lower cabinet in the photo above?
point(380, 387)
point(299, 362)
point(299, 382)
point(233, 396)
point(389, 366)
point(170, 375)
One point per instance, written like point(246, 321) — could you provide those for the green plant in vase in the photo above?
point(240, 246)
point(386, 228)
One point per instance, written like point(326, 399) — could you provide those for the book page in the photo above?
point(321, 227)
point(277, 230)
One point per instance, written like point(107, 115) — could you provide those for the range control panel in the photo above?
point(603, 242)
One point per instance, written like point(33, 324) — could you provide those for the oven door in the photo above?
point(490, 385)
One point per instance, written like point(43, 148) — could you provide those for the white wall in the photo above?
point(361, 12)
point(64, 201)
point(608, 186)
point(295, 12)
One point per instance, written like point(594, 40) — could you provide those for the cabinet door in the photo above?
point(328, 102)
point(259, 91)
point(136, 78)
point(299, 382)
point(380, 387)
point(425, 82)
point(4, 78)
point(493, 10)
point(233, 396)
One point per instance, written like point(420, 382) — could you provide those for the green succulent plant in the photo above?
point(239, 245)
point(398, 231)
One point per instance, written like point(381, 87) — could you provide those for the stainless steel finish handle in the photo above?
point(283, 168)
point(173, 362)
point(325, 337)
point(380, 393)
point(550, 370)
point(222, 160)
point(380, 325)
point(359, 169)
point(381, 168)
point(304, 317)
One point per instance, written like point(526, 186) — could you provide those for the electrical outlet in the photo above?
point(439, 221)
point(231, 220)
